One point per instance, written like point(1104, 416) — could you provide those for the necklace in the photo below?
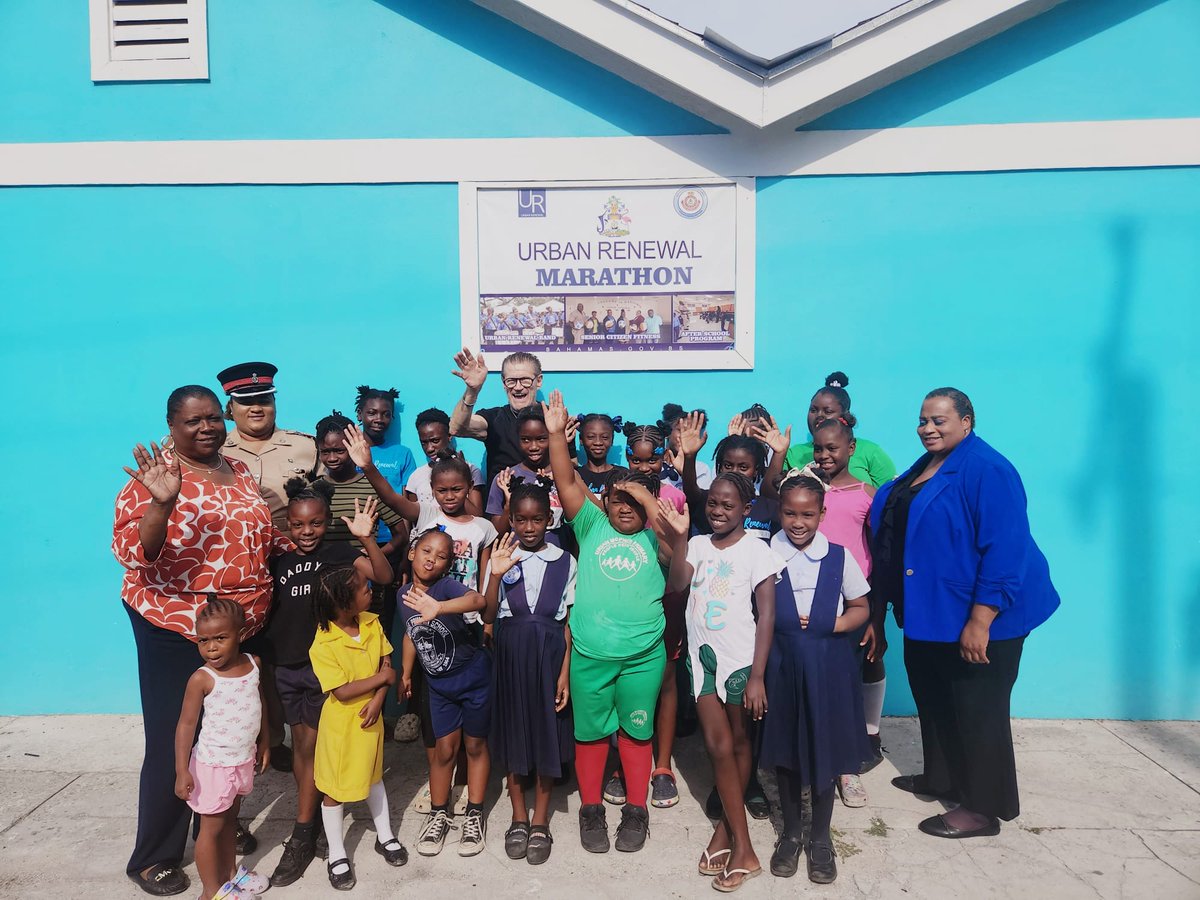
point(191, 465)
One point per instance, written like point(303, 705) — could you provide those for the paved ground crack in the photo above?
point(1104, 725)
point(1163, 861)
point(25, 815)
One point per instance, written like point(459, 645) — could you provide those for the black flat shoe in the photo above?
point(786, 858)
point(822, 865)
point(243, 841)
point(346, 880)
point(756, 802)
point(712, 805)
point(915, 784)
point(516, 840)
point(297, 854)
point(161, 880)
point(539, 845)
point(876, 754)
point(394, 855)
point(939, 827)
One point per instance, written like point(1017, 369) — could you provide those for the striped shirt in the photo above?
point(345, 493)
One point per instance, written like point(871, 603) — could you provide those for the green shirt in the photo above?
point(868, 462)
point(618, 610)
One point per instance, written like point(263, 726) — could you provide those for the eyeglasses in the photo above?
point(524, 381)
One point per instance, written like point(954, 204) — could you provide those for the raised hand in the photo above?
point(470, 368)
point(504, 482)
point(357, 446)
point(673, 521)
point(161, 478)
point(425, 606)
point(778, 441)
point(503, 553)
point(737, 425)
point(556, 414)
point(572, 428)
point(692, 435)
point(362, 526)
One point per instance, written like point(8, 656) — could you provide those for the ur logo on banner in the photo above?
point(615, 220)
point(531, 203)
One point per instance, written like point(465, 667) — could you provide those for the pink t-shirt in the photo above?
point(846, 512)
point(669, 492)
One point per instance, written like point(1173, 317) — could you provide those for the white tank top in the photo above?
point(232, 719)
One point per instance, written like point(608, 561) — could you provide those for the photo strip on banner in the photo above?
point(610, 276)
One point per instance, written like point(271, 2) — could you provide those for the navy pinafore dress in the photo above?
point(814, 725)
point(527, 734)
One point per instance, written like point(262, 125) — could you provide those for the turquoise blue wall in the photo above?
point(1065, 303)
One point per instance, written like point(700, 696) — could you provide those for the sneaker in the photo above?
point(822, 866)
point(634, 828)
point(614, 791)
point(433, 833)
point(663, 791)
point(854, 795)
point(470, 841)
point(593, 828)
point(712, 805)
point(230, 891)
point(423, 802)
point(393, 852)
point(408, 728)
point(296, 857)
point(876, 754)
point(243, 841)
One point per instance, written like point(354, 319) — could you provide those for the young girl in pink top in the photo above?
point(847, 508)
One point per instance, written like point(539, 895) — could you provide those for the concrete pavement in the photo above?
point(1110, 810)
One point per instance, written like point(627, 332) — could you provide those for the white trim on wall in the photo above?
point(1142, 143)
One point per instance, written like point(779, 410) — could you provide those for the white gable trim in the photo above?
point(1141, 143)
point(673, 63)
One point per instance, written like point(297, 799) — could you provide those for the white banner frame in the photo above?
point(739, 357)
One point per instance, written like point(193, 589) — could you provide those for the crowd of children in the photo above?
point(540, 620)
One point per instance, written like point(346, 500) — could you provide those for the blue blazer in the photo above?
point(968, 542)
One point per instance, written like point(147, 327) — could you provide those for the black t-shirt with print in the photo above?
point(291, 625)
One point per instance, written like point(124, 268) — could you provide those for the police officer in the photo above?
point(273, 455)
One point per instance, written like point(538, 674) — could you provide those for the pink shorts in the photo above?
point(215, 787)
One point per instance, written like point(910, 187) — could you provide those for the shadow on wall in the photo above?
point(1109, 492)
point(1047, 34)
point(540, 62)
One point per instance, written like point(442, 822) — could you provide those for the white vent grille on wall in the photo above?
point(149, 40)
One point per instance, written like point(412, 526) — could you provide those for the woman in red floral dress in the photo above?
point(189, 523)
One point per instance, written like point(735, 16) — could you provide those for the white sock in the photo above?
point(378, 805)
point(873, 704)
point(331, 816)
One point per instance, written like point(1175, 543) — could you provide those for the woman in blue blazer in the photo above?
point(954, 556)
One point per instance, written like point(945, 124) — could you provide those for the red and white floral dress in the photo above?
point(219, 540)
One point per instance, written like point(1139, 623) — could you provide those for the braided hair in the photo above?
point(654, 435)
point(757, 450)
point(221, 608)
point(611, 422)
point(520, 489)
point(335, 593)
point(743, 485)
point(449, 462)
point(844, 424)
point(810, 478)
point(649, 482)
point(335, 421)
point(366, 393)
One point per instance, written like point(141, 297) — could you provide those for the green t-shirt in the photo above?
point(618, 610)
point(868, 462)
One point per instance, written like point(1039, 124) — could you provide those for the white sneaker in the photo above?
point(433, 834)
point(470, 841)
point(854, 795)
point(423, 802)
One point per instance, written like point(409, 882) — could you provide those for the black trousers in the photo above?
point(166, 660)
point(966, 735)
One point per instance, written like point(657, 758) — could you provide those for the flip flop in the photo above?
point(725, 887)
point(707, 868)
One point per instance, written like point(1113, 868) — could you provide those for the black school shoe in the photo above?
point(756, 801)
point(281, 758)
point(393, 852)
point(297, 855)
point(876, 754)
point(634, 828)
point(593, 828)
point(346, 880)
point(786, 858)
point(243, 841)
point(822, 865)
point(540, 841)
point(161, 881)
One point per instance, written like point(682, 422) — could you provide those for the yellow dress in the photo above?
point(349, 758)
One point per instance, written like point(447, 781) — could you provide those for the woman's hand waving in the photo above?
point(161, 478)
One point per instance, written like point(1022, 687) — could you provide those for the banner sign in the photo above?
point(633, 275)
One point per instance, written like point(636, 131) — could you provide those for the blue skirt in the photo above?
point(527, 734)
point(814, 725)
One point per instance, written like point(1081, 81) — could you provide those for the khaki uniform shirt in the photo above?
point(287, 455)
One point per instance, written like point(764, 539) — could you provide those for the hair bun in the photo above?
point(837, 379)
